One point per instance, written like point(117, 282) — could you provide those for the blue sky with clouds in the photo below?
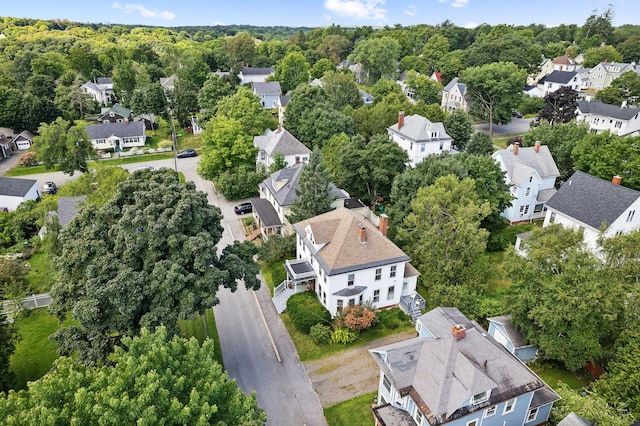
point(316, 13)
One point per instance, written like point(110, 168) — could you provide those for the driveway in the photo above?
point(283, 389)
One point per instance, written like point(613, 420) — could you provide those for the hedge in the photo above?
point(305, 311)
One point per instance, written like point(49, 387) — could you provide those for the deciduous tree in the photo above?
point(156, 379)
point(560, 106)
point(291, 71)
point(64, 145)
point(8, 339)
point(378, 56)
point(459, 126)
point(146, 258)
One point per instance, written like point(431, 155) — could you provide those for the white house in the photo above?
point(592, 204)
point(454, 373)
point(531, 174)
point(268, 92)
point(557, 79)
point(278, 192)
point(101, 90)
point(250, 75)
point(454, 96)
point(23, 141)
point(117, 136)
point(14, 191)
point(346, 260)
point(280, 141)
point(601, 117)
point(419, 137)
point(601, 76)
point(502, 329)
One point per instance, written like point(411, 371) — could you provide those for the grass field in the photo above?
point(354, 412)
point(196, 328)
point(41, 274)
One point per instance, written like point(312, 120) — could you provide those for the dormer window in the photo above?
point(480, 397)
point(434, 135)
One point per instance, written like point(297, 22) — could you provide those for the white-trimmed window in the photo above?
point(509, 406)
point(490, 411)
point(351, 280)
point(376, 296)
point(528, 192)
point(472, 423)
point(386, 383)
point(340, 304)
point(480, 397)
point(391, 292)
point(418, 417)
point(378, 274)
point(532, 414)
point(630, 215)
point(394, 268)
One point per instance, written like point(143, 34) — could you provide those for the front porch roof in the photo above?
point(267, 214)
point(299, 270)
point(350, 291)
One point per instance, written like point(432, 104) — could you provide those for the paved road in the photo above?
point(283, 389)
point(516, 126)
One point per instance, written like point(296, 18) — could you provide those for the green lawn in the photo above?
point(34, 353)
point(41, 274)
point(273, 273)
point(187, 140)
point(196, 328)
point(553, 373)
point(307, 350)
point(354, 412)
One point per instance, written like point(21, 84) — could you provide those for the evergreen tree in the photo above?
point(314, 192)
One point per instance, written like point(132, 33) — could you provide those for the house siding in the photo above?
point(418, 151)
point(11, 203)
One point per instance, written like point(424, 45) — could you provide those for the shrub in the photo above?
point(356, 318)
point(393, 318)
point(306, 311)
point(344, 336)
point(28, 159)
point(320, 334)
point(240, 183)
point(277, 247)
point(165, 144)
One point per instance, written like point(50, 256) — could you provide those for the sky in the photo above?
point(320, 13)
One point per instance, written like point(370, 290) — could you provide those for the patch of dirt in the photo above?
point(350, 373)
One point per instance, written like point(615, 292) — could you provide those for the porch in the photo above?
point(300, 277)
point(413, 305)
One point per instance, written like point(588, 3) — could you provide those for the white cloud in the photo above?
point(460, 3)
point(144, 12)
point(410, 10)
point(358, 9)
point(470, 25)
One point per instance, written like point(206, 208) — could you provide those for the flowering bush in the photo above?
point(356, 318)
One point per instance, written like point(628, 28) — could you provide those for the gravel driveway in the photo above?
point(349, 373)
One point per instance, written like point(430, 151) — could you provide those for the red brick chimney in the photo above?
point(384, 224)
point(400, 119)
point(617, 180)
point(362, 234)
point(459, 331)
point(515, 145)
point(536, 147)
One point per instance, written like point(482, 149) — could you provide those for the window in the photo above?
point(390, 293)
point(538, 208)
point(376, 296)
point(526, 210)
point(386, 383)
point(472, 423)
point(521, 210)
point(618, 233)
point(630, 215)
point(441, 145)
point(552, 218)
point(434, 135)
point(531, 416)
point(378, 274)
point(340, 304)
point(352, 302)
point(490, 411)
point(405, 285)
point(530, 178)
point(393, 271)
point(480, 397)
point(509, 406)
point(418, 417)
point(360, 300)
point(411, 146)
point(351, 280)
point(423, 147)
point(526, 194)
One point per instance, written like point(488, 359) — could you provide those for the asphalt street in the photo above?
point(283, 388)
point(516, 126)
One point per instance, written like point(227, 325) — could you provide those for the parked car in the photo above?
point(187, 153)
point(243, 208)
point(49, 188)
point(517, 114)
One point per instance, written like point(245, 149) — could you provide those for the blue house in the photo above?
point(502, 329)
point(455, 374)
point(269, 93)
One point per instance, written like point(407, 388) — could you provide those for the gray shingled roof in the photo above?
point(68, 208)
point(573, 419)
point(607, 110)
point(121, 130)
point(14, 187)
point(461, 86)
point(280, 141)
point(284, 183)
point(515, 335)
point(442, 373)
point(556, 76)
point(266, 213)
point(266, 88)
point(104, 80)
point(519, 167)
point(284, 100)
point(256, 71)
point(592, 200)
point(419, 129)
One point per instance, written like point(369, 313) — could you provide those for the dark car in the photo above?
point(49, 188)
point(517, 114)
point(243, 208)
point(187, 153)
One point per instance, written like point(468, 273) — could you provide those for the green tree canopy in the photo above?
point(378, 56)
point(314, 193)
point(291, 71)
point(145, 258)
point(153, 379)
point(8, 339)
point(459, 126)
point(63, 145)
point(595, 55)
point(424, 87)
point(341, 90)
point(245, 107)
point(625, 88)
point(480, 144)
point(495, 90)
